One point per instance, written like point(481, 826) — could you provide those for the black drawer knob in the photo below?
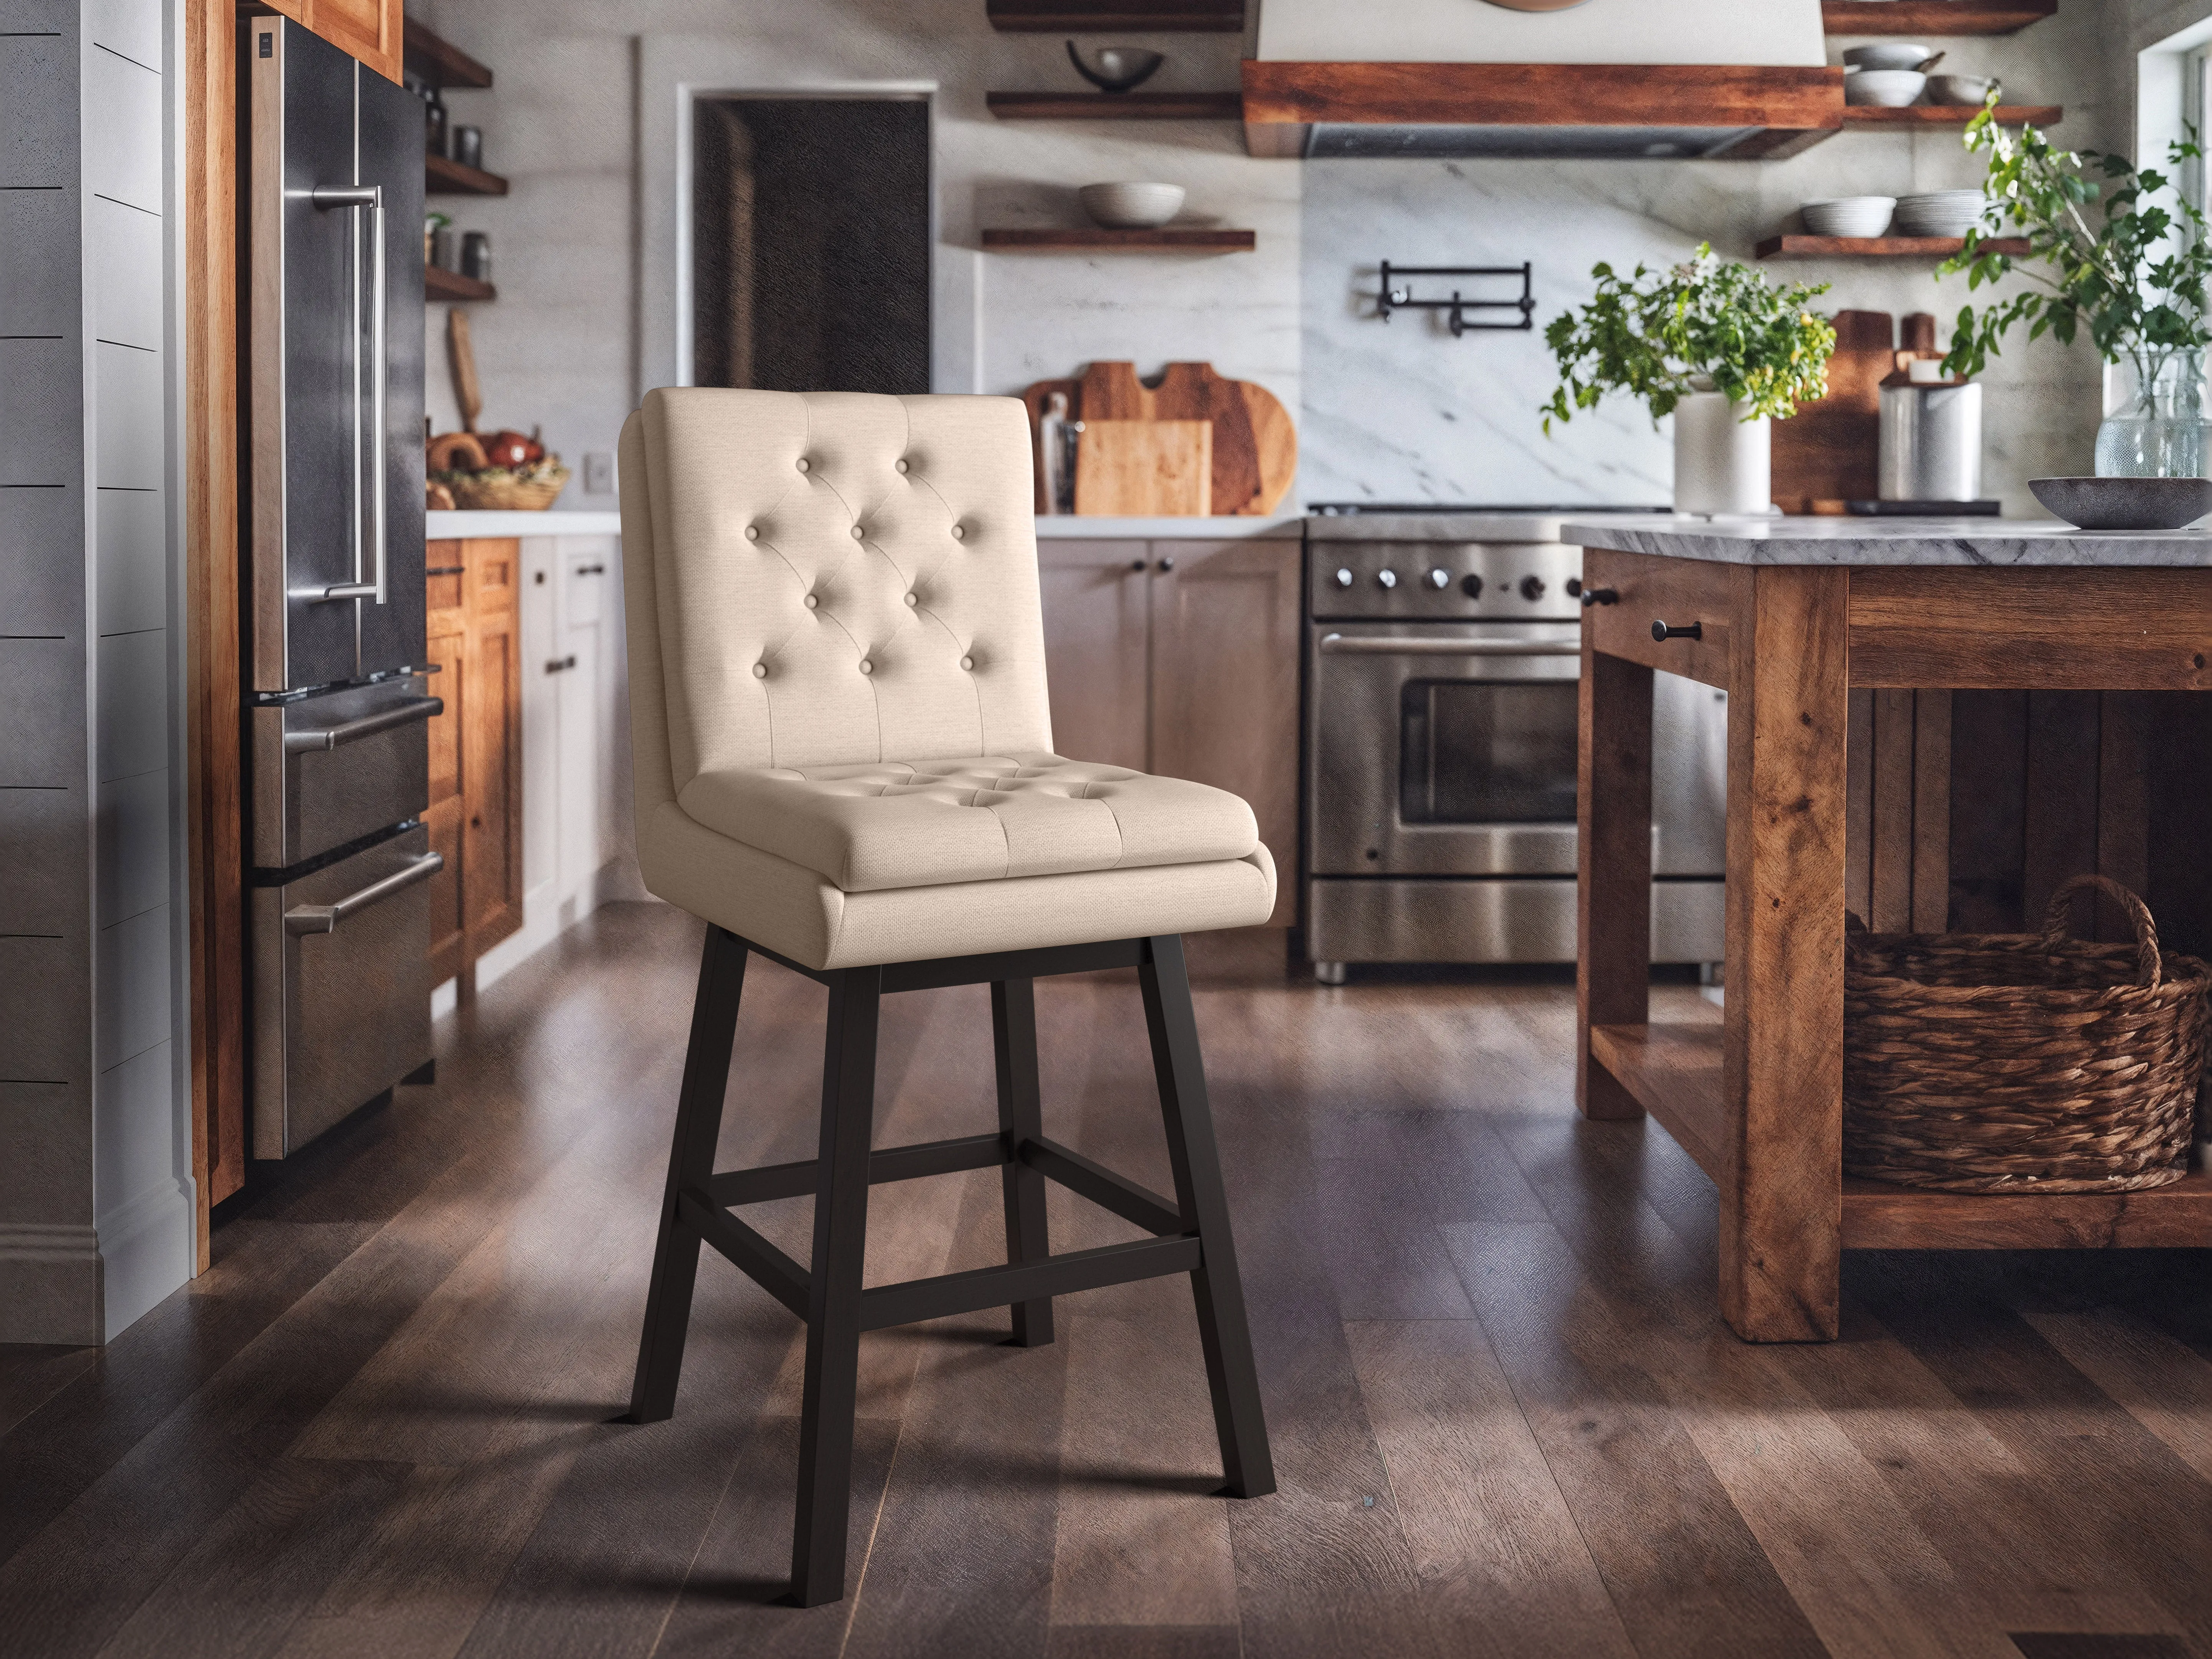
point(1663, 631)
point(1599, 596)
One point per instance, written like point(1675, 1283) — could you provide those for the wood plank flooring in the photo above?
point(1507, 1419)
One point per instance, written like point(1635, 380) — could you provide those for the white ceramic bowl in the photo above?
point(1939, 213)
point(1890, 55)
point(1849, 216)
point(1888, 88)
point(1960, 89)
point(1132, 207)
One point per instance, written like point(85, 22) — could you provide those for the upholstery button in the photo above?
point(812, 600)
point(858, 534)
point(913, 599)
point(802, 463)
point(967, 662)
point(959, 532)
point(760, 671)
point(867, 667)
point(752, 533)
point(900, 465)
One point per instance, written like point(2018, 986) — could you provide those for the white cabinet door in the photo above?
point(585, 811)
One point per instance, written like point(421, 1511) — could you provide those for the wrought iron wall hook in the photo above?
point(1461, 313)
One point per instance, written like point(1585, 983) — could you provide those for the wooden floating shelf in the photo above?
point(1117, 16)
point(1673, 1071)
point(1167, 240)
point(1116, 105)
point(439, 283)
point(439, 62)
point(1950, 17)
point(446, 177)
point(1881, 247)
point(1947, 115)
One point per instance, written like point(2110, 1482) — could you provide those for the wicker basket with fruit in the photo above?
point(506, 471)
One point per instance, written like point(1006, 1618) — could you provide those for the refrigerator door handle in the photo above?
point(325, 918)
point(370, 197)
point(336, 737)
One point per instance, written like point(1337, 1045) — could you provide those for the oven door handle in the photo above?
point(1337, 644)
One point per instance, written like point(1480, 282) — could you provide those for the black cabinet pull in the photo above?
point(1167, 564)
point(1136, 564)
point(1662, 631)
point(445, 570)
point(1599, 596)
point(559, 664)
point(591, 570)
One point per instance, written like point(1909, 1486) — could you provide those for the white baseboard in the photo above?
point(146, 1249)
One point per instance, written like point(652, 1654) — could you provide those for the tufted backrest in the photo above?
point(835, 578)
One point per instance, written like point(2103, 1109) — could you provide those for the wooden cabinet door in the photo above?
point(1224, 682)
point(448, 642)
point(370, 30)
point(491, 744)
point(1095, 648)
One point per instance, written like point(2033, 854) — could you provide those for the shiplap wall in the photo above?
point(95, 1196)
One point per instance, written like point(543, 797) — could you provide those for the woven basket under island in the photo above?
point(2011, 1062)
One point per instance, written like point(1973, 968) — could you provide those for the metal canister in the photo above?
point(1931, 442)
point(475, 256)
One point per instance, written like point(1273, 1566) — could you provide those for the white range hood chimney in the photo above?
point(1740, 79)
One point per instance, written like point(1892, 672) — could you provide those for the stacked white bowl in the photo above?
point(1939, 213)
point(1888, 88)
point(1849, 216)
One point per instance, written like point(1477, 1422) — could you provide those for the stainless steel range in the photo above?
point(1443, 650)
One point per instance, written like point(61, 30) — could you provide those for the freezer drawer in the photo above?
point(328, 770)
point(1481, 920)
point(341, 988)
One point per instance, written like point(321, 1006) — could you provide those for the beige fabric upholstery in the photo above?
point(839, 730)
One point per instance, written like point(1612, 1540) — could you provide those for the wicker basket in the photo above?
point(499, 490)
point(2008, 1062)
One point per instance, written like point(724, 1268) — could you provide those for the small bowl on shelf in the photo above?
point(1939, 212)
point(1131, 206)
point(1885, 88)
point(2125, 503)
point(1889, 55)
point(1969, 90)
point(1855, 216)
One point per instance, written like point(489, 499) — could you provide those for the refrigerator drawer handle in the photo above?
point(371, 197)
point(324, 918)
point(1335, 644)
point(336, 737)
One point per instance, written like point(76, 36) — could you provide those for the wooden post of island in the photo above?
point(1787, 615)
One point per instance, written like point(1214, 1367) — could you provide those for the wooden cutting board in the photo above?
point(1254, 445)
point(1828, 453)
point(1145, 469)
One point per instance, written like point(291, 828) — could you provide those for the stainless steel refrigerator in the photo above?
point(337, 716)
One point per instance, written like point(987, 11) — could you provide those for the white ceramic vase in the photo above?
point(1721, 465)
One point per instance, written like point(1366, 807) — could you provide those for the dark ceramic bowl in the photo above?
point(2125, 503)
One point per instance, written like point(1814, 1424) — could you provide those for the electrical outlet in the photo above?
point(599, 472)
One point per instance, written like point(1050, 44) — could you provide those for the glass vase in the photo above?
point(2154, 425)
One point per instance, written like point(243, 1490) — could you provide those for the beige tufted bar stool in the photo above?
point(843, 763)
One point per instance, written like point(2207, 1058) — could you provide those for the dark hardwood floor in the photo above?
point(1506, 1418)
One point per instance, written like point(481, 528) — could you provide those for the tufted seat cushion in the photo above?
point(983, 819)
point(820, 587)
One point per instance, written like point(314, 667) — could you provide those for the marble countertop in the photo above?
point(1890, 541)
point(450, 525)
point(1056, 527)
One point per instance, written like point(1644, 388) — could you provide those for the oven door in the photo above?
point(1444, 749)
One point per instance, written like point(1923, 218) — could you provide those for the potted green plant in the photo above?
point(1710, 341)
point(2107, 258)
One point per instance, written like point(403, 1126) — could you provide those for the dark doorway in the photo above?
point(811, 244)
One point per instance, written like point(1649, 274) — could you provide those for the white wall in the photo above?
point(584, 246)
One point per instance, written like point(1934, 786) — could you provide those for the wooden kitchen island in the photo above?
point(1787, 615)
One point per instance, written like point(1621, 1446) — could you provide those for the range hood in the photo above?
point(1608, 79)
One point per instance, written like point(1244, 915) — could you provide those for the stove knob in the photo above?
point(1387, 578)
point(1471, 585)
point(1440, 580)
point(1343, 578)
point(1532, 587)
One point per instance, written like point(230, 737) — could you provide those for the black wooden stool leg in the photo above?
point(1021, 1116)
point(833, 1316)
point(1229, 1372)
point(690, 1163)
